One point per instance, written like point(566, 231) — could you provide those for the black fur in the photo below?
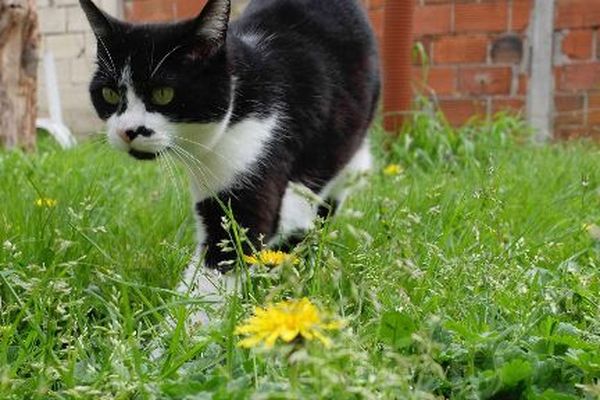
point(316, 64)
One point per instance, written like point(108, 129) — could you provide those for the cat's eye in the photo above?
point(111, 96)
point(163, 96)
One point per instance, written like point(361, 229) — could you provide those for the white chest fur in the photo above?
point(237, 150)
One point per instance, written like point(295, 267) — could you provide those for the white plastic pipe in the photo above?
point(54, 125)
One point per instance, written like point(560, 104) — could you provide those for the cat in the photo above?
point(261, 110)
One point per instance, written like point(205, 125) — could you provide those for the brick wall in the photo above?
point(577, 68)
point(161, 10)
point(165, 10)
point(66, 34)
point(474, 64)
point(473, 55)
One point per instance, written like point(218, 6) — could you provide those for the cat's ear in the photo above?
point(211, 25)
point(101, 23)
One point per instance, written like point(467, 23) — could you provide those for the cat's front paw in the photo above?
point(208, 289)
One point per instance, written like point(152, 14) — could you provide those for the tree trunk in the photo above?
point(19, 41)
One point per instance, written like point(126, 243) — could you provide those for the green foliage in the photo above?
point(472, 275)
point(396, 329)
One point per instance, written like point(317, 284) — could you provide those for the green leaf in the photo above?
point(587, 361)
point(396, 329)
point(515, 371)
point(552, 394)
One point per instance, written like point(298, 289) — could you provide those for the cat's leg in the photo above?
point(208, 285)
point(301, 206)
point(198, 283)
point(211, 277)
point(201, 282)
point(350, 178)
point(297, 214)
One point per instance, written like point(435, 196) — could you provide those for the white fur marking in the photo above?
point(351, 176)
point(298, 210)
point(239, 149)
point(209, 285)
point(299, 205)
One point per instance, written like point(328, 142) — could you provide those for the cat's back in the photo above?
point(337, 22)
point(316, 62)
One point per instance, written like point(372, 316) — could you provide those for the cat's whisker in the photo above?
point(198, 180)
point(164, 166)
point(167, 164)
point(199, 163)
point(196, 166)
point(203, 146)
point(182, 184)
point(162, 61)
point(193, 167)
point(244, 180)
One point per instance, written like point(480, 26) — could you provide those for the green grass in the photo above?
point(470, 276)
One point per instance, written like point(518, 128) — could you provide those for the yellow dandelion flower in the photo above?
point(271, 258)
point(393, 170)
point(46, 202)
point(287, 320)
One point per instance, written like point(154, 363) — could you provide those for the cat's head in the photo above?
point(154, 81)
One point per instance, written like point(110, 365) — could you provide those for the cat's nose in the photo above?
point(129, 135)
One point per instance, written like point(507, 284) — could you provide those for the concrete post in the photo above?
point(540, 99)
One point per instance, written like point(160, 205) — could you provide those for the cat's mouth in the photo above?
point(143, 155)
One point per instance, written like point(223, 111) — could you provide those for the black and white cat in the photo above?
point(260, 110)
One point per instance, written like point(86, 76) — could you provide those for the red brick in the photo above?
point(439, 80)
point(594, 99)
point(460, 49)
point(160, 10)
point(577, 14)
point(570, 132)
point(149, 10)
point(521, 14)
point(593, 118)
point(577, 77)
point(568, 102)
point(482, 17)
point(511, 105)
point(485, 80)
point(569, 109)
point(374, 4)
point(433, 19)
point(459, 111)
point(187, 8)
point(594, 108)
point(577, 45)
